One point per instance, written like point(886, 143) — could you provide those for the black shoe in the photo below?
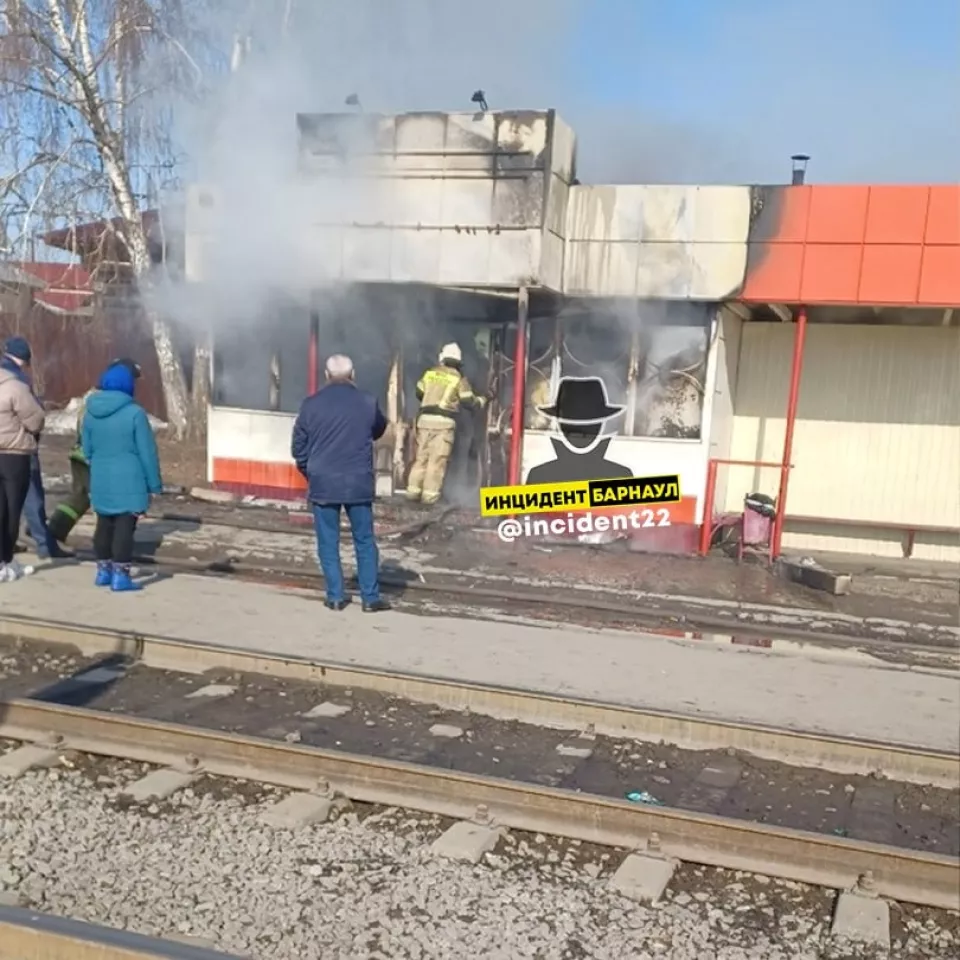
point(57, 553)
point(377, 606)
point(335, 604)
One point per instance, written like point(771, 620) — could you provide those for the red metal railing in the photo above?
point(793, 398)
point(514, 467)
point(313, 355)
point(707, 527)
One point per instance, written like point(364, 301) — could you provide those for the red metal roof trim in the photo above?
point(872, 245)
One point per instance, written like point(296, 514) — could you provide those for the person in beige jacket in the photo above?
point(21, 420)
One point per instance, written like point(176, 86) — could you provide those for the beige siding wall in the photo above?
point(877, 434)
point(726, 355)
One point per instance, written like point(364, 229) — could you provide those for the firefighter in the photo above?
point(442, 390)
point(68, 514)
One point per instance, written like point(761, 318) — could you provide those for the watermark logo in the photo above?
point(597, 492)
point(580, 413)
point(585, 494)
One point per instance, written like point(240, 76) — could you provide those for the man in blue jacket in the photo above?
point(332, 447)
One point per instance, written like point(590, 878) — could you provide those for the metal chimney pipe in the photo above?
point(799, 168)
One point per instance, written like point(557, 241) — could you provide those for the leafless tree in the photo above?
point(87, 88)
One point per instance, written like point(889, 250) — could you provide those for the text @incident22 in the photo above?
point(513, 528)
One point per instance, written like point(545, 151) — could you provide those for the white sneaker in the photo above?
point(16, 570)
point(5, 576)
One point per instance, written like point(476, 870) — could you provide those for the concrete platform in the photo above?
point(842, 694)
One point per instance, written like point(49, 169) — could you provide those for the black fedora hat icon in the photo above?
point(581, 400)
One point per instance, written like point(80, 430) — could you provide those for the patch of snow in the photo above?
point(291, 506)
point(62, 423)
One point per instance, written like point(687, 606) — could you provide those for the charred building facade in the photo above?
point(423, 228)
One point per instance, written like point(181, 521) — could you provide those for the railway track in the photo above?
point(26, 934)
point(662, 833)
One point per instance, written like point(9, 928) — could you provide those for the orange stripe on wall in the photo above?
point(281, 476)
point(883, 245)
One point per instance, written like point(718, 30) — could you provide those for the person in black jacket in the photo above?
point(332, 447)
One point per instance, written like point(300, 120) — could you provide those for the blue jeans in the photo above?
point(35, 510)
point(326, 522)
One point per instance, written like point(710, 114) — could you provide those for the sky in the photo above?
point(664, 90)
point(731, 88)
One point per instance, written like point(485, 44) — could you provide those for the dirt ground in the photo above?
point(457, 541)
point(715, 576)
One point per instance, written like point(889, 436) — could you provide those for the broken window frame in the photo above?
point(564, 356)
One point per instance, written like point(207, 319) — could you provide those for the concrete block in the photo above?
point(580, 750)
point(707, 793)
point(17, 762)
point(814, 576)
point(299, 810)
point(158, 785)
point(212, 496)
point(466, 841)
point(213, 690)
point(446, 730)
point(643, 878)
point(862, 919)
point(722, 773)
point(327, 709)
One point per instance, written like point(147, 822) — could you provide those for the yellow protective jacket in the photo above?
point(442, 390)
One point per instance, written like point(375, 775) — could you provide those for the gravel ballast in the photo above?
point(366, 887)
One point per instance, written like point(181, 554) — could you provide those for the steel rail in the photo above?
point(834, 862)
point(28, 935)
point(842, 755)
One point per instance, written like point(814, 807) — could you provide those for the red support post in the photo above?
point(313, 355)
point(800, 334)
point(519, 388)
point(706, 525)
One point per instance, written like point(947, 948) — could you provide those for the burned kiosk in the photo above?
point(425, 228)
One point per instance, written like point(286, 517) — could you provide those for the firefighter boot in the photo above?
point(104, 574)
point(121, 580)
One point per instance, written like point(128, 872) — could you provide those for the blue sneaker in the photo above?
point(104, 574)
point(121, 581)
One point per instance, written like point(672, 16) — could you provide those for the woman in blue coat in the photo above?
point(121, 449)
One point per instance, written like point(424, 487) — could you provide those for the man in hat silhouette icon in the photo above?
point(580, 409)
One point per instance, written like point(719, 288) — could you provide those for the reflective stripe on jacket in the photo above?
point(442, 390)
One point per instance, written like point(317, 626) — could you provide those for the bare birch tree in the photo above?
point(86, 87)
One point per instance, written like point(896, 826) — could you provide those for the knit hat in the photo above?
point(18, 348)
